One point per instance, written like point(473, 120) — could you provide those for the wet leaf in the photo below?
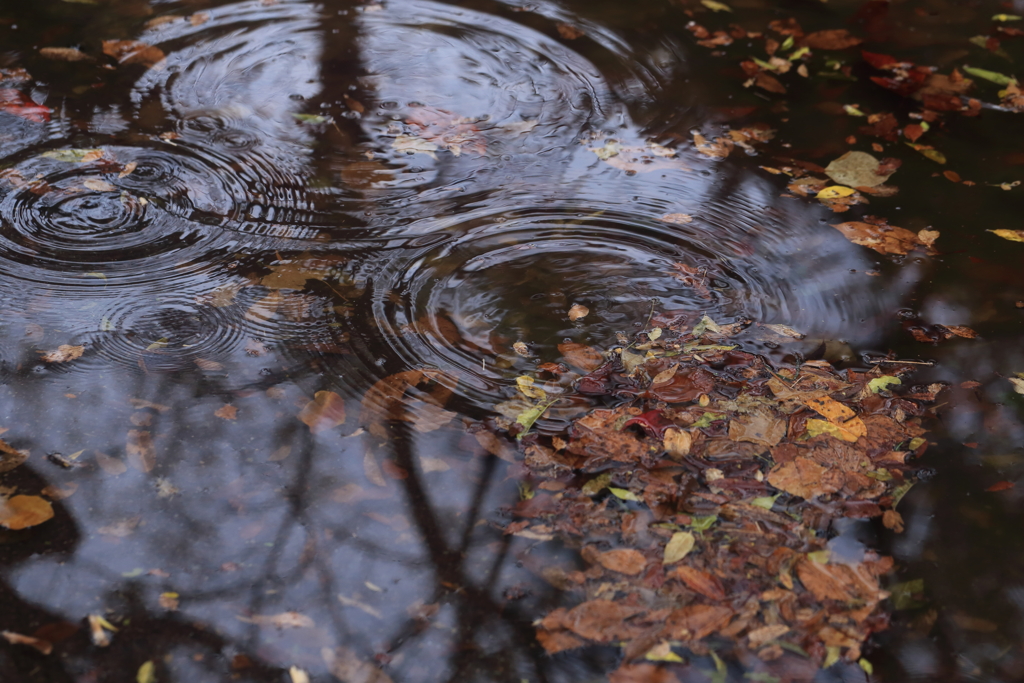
point(677, 218)
point(930, 152)
point(527, 389)
point(700, 582)
point(883, 383)
point(706, 324)
point(835, 192)
point(140, 451)
point(1012, 235)
point(784, 330)
point(624, 494)
point(226, 412)
point(662, 652)
point(44, 646)
point(678, 442)
point(1003, 17)
point(64, 354)
point(678, 547)
point(715, 6)
point(883, 238)
point(801, 477)
point(607, 151)
point(597, 484)
point(98, 627)
point(22, 512)
point(73, 156)
point(578, 312)
point(833, 39)
point(857, 169)
point(521, 349)
point(325, 412)
point(528, 417)
point(347, 667)
point(412, 145)
point(1001, 486)
point(1018, 384)
point(146, 673)
point(280, 621)
point(97, 185)
point(298, 675)
point(993, 76)
point(847, 431)
point(133, 52)
point(700, 524)
point(584, 357)
point(11, 457)
point(623, 560)
point(64, 54)
point(312, 118)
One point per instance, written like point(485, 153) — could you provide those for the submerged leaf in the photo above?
point(326, 411)
point(21, 512)
point(624, 494)
point(678, 547)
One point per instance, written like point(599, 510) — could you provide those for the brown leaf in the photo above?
point(847, 583)
point(760, 427)
point(804, 478)
point(140, 451)
point(44, 646)
point(326, 411)
point(21, 512)
point(226, 412)
point(65, 54)
point(697, 621)
point(385, 399)
point(558, 641)
point(133, 52)
point(282, 620)
point(701, 582)
point(641, 673)
point(833, 39)
point(766, 81)
point(569, 32)
point(578, 312)
point(600, 620)
point(63, 354)
point(10, 457)
point(883, 238)
point(110, 465)
point(623, 560)
point(584, 357)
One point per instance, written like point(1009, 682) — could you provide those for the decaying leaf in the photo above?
point(858, 169)
point(133, 52)
point(804, 478)
point(882, 237)
point(347, 667)
point(678, 442)
point(140, 451)
point(22, 512)
point(298, 675)
point(281, 621)
point(623, 560)
point(1012, 235)
point(64, 354)
point(226, 412)
point(64, 54)
point(325, 412)
point(584, 357)
point(578, 312)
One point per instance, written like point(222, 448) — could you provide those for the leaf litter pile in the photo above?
point(702, 497)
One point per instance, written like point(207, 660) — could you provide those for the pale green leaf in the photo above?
point(883, 383)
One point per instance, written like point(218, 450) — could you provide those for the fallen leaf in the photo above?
point(784, 330)
point(678, 442)
point(642, 673)
point(140, 451)
point(761, 636)
point(833, 39)
point(678, 547)
point(759, 427)
point(169, 601)
point(701, 582)
point(63, 354)
point(992, 76)
point(1012, 235)
point(569, 32)
point(21, 512)
point(133, 52)
point(298, 675)
point(44, 646)
point(326, 411)
point(282, 620)
point(623, 560)
point(802, 477)
point(97, 185)
point(883, 238)
point(584, 357)
point(857, 169)
point(347, 667)
point(226, 412)
point(98, 627)
point(1001, 486)
point(834, 192)
point(412, 145)
point(883, 383)
point(578, 312)
point(110, 465)
point(64, 54)
point(146, 673)
point(599, 620)
point(677, 218)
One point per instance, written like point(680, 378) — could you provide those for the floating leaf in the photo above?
point(21, 512)
point(1012, 235)
point(326, 411)
point(578, 312)
point(411, 144)
point(530, 416)
point(525, 385)
point(72, 156)
point(133, 52)
point(1018, 384)
point(298, 675)
point(1003, 17)
point(993, 76)
point(313, 118)
point(706, 324)
point(716, 6)
point(678, 547)
point(44, 646)
point(64, 54)
point(146, 673)
point(883, 383)
point(623, 560)
point(855, 169)
point(835, 192)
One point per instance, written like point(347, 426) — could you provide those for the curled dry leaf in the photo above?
point(63, 354)
point(326, 411)
point(21, 512)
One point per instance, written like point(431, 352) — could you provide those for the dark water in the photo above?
point(273, 238)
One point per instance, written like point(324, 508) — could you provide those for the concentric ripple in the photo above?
point(461, 300)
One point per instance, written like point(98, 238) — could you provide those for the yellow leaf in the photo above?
point(830, 409)
point(679, 546)
point(325, 411)
point(525, 385)
point(678, 442)
point(147, 673)
point(1012, 235)
point(835, 192)
point(63, 354)
point(850, 430)
point(716, 6)
point(662, 652)
point(654, 334)
point(21, 512)
point(624, 494)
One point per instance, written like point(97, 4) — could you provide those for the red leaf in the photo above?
point(877, 60)
point(1001, 486)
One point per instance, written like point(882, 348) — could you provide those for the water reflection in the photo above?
point(314, 197)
